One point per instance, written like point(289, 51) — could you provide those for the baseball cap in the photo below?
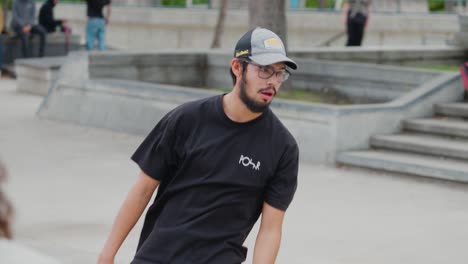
point(262, 46)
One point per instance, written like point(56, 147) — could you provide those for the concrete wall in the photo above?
point(169, 68)
point(321, 130)
point(36, 75)
point(363, 83)
point(395, 55)
point(139, 28)
point(55, 46)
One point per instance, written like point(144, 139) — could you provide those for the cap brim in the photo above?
point(268, 59)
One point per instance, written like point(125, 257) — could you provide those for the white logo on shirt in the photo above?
point(246, 161)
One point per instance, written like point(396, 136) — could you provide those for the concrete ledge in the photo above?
point(55, 46)
point(360, 82)
point(136, 28)
point(321, 130)
point(423, 143)
point(407, 163)
point(35, 76)
point(394, 55)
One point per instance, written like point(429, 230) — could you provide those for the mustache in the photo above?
point(267, 89)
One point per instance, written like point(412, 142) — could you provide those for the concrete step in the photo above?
point(408, 163)
point(452, 109)
point(440, 126)
point(423, 143)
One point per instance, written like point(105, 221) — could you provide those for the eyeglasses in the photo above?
point(265, 72)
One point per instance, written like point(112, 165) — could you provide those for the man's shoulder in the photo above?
point(197, 105)
point(194, 109)
point(281, 132)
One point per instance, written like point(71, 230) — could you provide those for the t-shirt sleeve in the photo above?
point(282, 187)
point(155, 155)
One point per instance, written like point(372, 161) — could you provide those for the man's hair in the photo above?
point(244, 67)
point(6, 209)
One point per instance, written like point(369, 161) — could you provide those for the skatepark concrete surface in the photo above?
point(67, 183)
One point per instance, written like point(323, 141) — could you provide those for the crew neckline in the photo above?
point(226, 119)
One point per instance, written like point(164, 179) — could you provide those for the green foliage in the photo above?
point(9, 3)
point(436, 5)
point(173, 2)
point(439, 5)
point(315, 3)
point(452, 68)
point(182, 2)
point(312, 96)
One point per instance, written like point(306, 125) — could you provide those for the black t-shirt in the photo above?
point(94, 7)
point(214, 176)
point(46, 17)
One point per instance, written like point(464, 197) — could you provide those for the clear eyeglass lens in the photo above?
point(267, 72)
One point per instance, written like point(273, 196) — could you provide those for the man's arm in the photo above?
point(15, 14)
point(368, 13)
point(131, 210)
point(344, 13)
point(108, 12)
point(269, 236)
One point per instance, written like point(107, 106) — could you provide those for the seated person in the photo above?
point(47, 18)
point(22, 23)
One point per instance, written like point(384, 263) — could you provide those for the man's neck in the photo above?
point(236, 110)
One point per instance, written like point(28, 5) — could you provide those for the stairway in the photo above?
point(434, 147)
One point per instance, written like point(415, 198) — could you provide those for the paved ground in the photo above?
point(67, 183)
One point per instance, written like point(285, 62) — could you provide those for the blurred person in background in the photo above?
point(23, 24)
point(50, 24)
point(96, 26)
point(356, 16)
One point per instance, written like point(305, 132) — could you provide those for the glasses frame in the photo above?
point(285, 74)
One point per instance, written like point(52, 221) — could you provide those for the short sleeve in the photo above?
point(155, 155)
point(281, 188)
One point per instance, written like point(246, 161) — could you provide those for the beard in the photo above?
point(252, 105)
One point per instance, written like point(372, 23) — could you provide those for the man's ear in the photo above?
point(236, 67)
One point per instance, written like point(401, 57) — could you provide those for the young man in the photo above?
point(356, 16)
point(96, 26)
point(22, 23)
point(219, 163)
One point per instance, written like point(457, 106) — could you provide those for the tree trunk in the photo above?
point(450, 5)
point(270, 14)
point(322, 4)
point(219, 25)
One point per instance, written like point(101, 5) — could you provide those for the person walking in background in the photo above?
point(96, 26)
point(22, 23)
point(356, 16)
point(50, 24)
point(220, 163)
